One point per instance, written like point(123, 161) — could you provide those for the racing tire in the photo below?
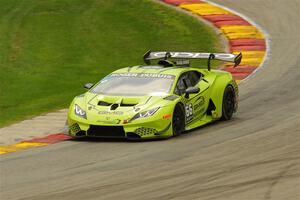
point(178, 120)
point(228, 103)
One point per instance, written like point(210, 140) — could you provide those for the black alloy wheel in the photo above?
point(178, 122)
point(228, 103)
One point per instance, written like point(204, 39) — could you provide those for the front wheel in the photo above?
point(178, 121)
point(228, 103)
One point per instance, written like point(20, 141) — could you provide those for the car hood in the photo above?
point(117, 109)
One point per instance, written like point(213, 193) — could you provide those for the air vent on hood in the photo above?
point(103, 103)
point(128, 104)
point(114, 106)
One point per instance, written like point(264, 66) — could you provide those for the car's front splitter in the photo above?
point(146, 130)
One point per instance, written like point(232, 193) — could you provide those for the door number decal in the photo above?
point(189, 112)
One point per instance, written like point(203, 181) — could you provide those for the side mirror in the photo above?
point(191, 90)
point(88, 85)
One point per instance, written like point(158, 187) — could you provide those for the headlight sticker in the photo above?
point(79, 111)
point(144, 114)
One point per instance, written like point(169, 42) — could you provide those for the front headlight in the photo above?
point(79, 112)
point(145, 114)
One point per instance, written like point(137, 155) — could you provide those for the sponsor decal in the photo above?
point(201, 101)
point(199, 112)
point(110, 113)
point(220, 56)
point(117, 121)
point(143, 75)
point(189, 112)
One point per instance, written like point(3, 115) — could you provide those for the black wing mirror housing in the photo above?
point(88, 85)
point(191, 90)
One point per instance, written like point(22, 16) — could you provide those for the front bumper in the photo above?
point(150, 129)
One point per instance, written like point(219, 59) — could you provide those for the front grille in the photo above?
point(106, 131)
point(145, 131)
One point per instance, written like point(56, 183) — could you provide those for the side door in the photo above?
point(201, 100)
point(193, 104)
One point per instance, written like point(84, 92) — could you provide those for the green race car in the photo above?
point(155, 100)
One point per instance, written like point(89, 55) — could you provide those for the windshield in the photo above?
point(135, 84)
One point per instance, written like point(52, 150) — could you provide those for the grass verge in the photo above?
point(49, 49)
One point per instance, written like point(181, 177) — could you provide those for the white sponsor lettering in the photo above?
point(144, 75)
point(189, 110)
point(220, 56)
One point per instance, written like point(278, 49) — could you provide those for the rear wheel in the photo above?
point(178, 121)
point(228, 103)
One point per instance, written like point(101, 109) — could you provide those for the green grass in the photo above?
point(50, 48)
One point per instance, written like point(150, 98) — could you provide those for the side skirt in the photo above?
point(204, 120)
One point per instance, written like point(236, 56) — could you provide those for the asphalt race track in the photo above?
point(255, 156)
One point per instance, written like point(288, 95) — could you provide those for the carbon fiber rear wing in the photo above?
point(236, 59)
